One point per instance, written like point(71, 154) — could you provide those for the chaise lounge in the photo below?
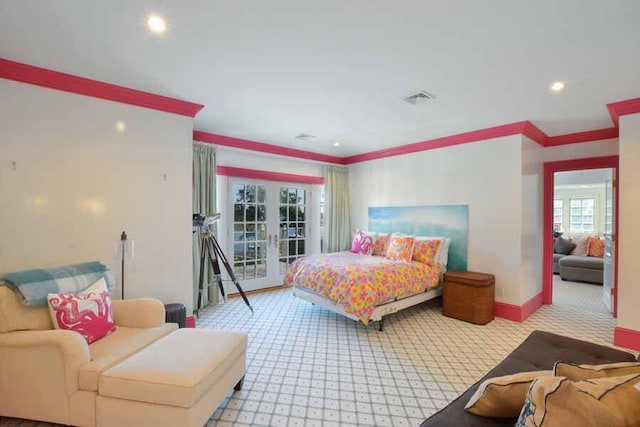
point(146, 373)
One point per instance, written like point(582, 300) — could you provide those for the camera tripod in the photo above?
point(211, 247)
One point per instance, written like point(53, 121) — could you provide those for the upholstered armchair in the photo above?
point(52, 375)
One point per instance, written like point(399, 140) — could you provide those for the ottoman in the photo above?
point(582, 268)
point(179, 380)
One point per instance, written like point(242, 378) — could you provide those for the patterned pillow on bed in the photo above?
point(380, 245)
point(425, 251)
point(400, 247)
point(362, 243)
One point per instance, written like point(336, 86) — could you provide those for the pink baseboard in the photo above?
point(191, 322)
point(518, 313)
point(627, 338)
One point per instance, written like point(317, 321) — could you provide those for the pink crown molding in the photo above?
point(244, 144)
point(30, 74)
point(622, 108)
point(268, 175)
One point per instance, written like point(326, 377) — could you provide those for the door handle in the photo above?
point(275, 240)
point(269, 240)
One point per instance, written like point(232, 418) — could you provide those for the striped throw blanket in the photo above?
point(34, 285)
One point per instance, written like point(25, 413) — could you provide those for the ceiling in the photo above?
point(339, 69)
point(582, 178)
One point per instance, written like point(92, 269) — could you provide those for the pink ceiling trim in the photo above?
point(579, 137)
point(271, 176)
point(447, 141)
point(30, 74)
point(244, 144)
point(622, 108)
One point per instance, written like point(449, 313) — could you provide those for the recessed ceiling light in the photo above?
point(120, 127)
point(156, 24)
point(557, 86)
point(336, 144)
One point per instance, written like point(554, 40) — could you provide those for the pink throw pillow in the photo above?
point(362, 243)
point(89, 313)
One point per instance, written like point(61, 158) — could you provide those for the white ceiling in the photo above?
point(338, 69)
point(588, 177)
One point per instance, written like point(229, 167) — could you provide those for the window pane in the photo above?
point(283, 195)
point(301, 196)
point(238, 213)
point(262, 194)
point(238, 193)
point(293, 196)
point(250, 193)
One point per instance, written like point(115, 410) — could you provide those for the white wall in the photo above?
point(602, 148)
point(485, 175)
point(532, 200)
point(629, 226)
point(78, 183)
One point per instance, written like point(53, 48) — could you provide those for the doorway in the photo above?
point(270, 229)
point(577, 211)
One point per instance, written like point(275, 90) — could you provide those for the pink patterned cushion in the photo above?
point(89, 313)
point(425, 251)
point(362, 243)
point(400, 247)
point(381, 244)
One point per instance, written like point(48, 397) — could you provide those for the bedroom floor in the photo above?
point(309, 367)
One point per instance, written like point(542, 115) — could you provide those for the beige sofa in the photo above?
point(53, 375)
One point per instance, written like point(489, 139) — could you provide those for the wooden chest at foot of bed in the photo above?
point(468, 296)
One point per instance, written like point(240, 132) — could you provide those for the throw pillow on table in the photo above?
point(560, 402)
point(89, 312)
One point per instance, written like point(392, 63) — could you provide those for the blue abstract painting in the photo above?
point(438, 221)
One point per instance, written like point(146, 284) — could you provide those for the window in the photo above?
point(582, 215)
point(557, 215)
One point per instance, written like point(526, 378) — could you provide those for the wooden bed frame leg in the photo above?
point(381, 324)
point(239, 385)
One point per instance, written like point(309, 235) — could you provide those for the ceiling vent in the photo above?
point(304, 136)
point(419, 98)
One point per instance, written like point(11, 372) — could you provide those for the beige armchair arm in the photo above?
point(39, 356)
point(139, 313)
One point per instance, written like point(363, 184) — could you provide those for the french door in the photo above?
point(270, 230)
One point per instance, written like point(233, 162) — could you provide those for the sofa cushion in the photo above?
point(538, 352)
point(563, 246)
point(503, 397)
point(116, 347)
point(606, 402)
point(587, 262)
point(582, 245)
point(585, 372)
point(176, 370)
point(15, 316)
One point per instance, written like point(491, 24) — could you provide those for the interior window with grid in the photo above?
point(582, 215)
point(557, 215)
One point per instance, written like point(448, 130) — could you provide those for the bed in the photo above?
point(363, 287)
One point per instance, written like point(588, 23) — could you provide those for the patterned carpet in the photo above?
point(309, 367)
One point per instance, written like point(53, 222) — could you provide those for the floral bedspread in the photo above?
point(360, 282)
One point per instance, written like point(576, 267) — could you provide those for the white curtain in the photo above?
point(204, 202)
point(337, 227)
